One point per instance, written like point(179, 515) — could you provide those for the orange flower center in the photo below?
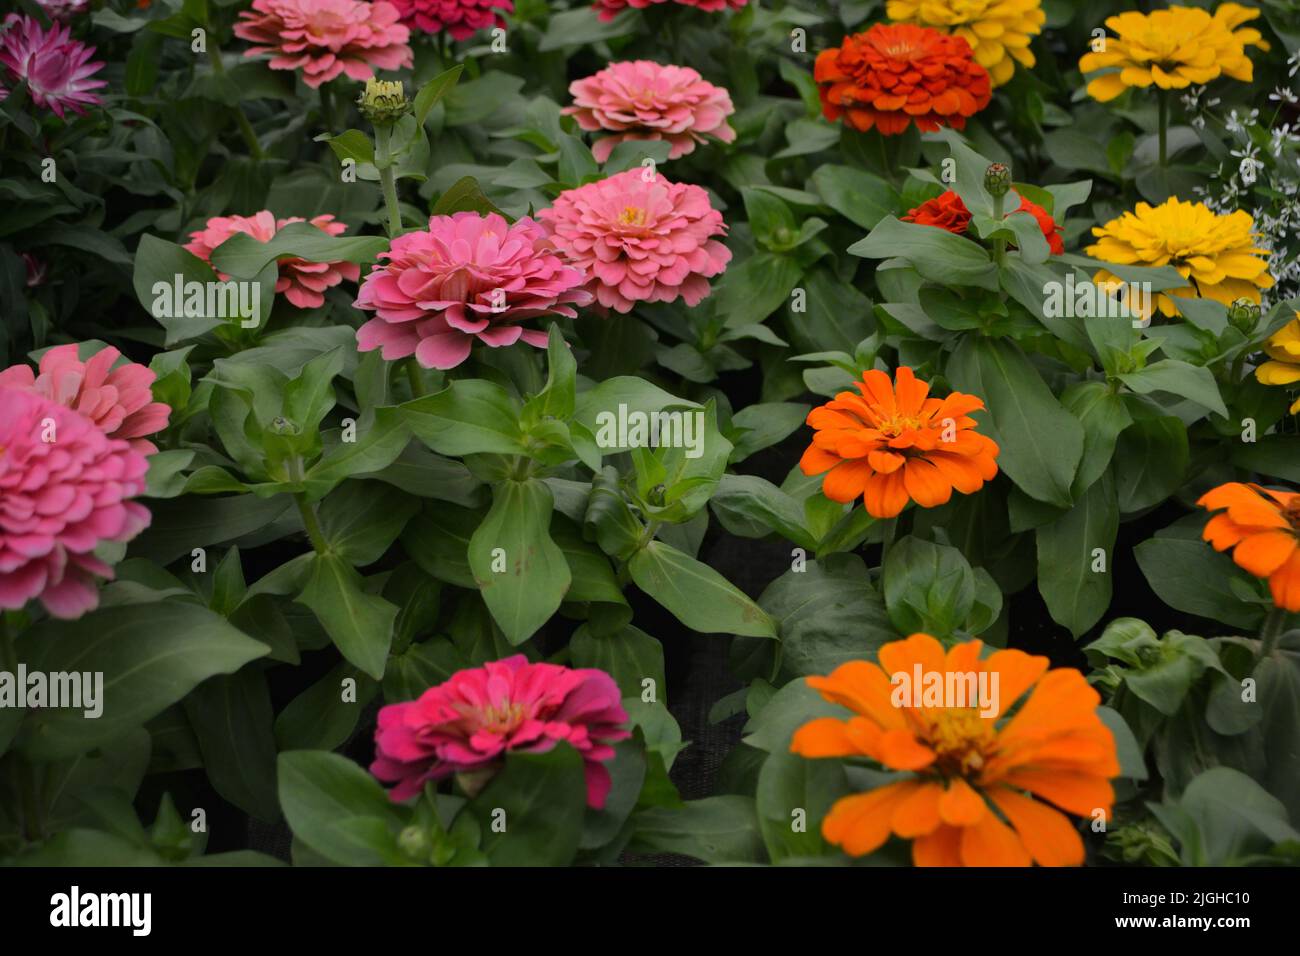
point(962, 740)
point(1291, 512)
point(632, 216)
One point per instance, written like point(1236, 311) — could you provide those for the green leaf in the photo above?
point(557, 398)
point(470, 416)
point(936, 254)
point(722, 829)
point(541, 798)
point(696, 594)
point(435, 90)
point(324, 715)
point(1104, 416)
point(1178, 378)
point(157, 264)
point(231, 717)
point(928, 588)
point(1188, 574)
point(520, 571)
point(1151, 459)
point(857, 195)
point(1040, 442)
point(1076, 592)
point(151, 655)
point(359, 624)
point(629, 655)
point(464, 195)
point(339, 810)
point(242, 255)
point(362, 519)
point(793, 795)
point(380, 437)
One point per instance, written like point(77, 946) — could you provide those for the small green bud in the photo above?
point(997, 179)
point(1244, 314)
point(383, 102)
point(415, 843)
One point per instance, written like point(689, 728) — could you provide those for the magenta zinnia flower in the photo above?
point(641, 99)
point(324, 38)
point(461, 18)
point(468, 724)
point(639, 240)
point(64, 489)
point(303, 283)
point(468, 277)
point(609, 9)
point(118, 400)
point(63, 9)
point(56, 67)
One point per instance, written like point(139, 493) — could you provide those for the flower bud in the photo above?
point(383, 102)
point(415, 842)
point(997, 179)
point(1243, 314)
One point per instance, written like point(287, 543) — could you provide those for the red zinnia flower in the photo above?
point(950, 213)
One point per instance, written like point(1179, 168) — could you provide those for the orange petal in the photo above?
point(919, 813)
point(925, 483)
point(859, 823)
point(1285, 584)
point(825, 737)
point(960, 805)
point(940, 848)
point(903, 656)
point(990, 842)
point(900, 750)
point(1077, 793)
point(1262, 554)
point(1047, 834)
point(862, 687)
point(885, 496)
point(847, 480)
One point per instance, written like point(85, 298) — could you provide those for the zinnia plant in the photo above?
point(894, 75)
point(467, 725)
point(948, 212)
point(460, 18)
point(980, 790)
point(640, 238)
point(67, 490)
point(302, 282)
point(466, 279)
point(892, 443)
point(1218, 255)
point(999, 31)
point(641, 99)
point(326, 38)
point(1262, 527)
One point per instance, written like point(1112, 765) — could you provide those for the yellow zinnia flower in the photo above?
point(1217, 254)
point(1283, 348)
point(1173, 49)
point(998, 31)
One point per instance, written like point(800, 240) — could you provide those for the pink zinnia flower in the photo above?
point(468, 277)
point(639, 240)
point(55, 66)
point(303, 283)
point(611, 8)
point(118, 400)
point(324, 38)
point(461, 18)
point(469, 724)
point(641, 99)
point(64, 488)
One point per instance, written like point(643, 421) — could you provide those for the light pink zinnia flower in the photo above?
point(469, 724)
point(468, 277)
point(639, 240)
point(118, 400)
point(55, 66)
point(461, 18)
point(303, 283)
point(324, 38)
point(611, 8)
point(641, 99)
point(64, 488)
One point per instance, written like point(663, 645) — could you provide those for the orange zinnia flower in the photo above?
point(970, 798)
point(892, 444)
point(1264, 526)
point(895, 74)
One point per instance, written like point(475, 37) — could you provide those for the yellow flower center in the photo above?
point(961, 738)
point(632, 216)
point(897, 424)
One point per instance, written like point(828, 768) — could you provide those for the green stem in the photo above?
point(388, 179)
point(327, 108)
point(414, 377)
point(889, 528)
point(1270, 633)
point(999, 242)
point(1163, 101)
point(241, 118)
point(309, 521)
